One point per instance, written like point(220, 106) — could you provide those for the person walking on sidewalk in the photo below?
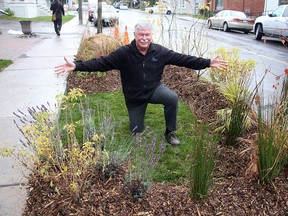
point(58, 9)
point(141, 64)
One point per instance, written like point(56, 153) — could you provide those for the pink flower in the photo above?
point(277, 77)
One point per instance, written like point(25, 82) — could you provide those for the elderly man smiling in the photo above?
point(141, 64)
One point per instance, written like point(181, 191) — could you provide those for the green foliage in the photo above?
point(9, 12)
point(65, 18)
point(173, 166)
point(273, 140)
point(234, 83)
point(70, 166)
point(4, 63)
point(202, 162)
point(236, 66)
point(205, 12)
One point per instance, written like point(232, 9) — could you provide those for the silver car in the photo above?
point(231, 20)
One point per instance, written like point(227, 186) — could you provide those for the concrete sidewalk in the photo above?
point(28, 82)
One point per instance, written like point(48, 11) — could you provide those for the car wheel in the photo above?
point(209, 24)
point(225, 27)
point(258, 32)
point(246, 31)
point(168, 12)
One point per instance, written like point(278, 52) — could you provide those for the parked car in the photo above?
point(116, 5)
point(110, 15)
point(123, 6)
point(231, 20)
point(160, 9)
point(274, 25)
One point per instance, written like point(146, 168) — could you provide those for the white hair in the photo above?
point(142, 25)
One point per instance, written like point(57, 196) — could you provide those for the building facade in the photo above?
point(27, 8)
point(250, 7)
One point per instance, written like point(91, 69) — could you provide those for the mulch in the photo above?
point(235, 190)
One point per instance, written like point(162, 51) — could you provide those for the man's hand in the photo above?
point(217, 63)
point(65, 68)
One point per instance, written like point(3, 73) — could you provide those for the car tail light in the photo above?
point(237, 20)
point(251, 21)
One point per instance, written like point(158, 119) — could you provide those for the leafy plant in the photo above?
point(236, 67)
point(234, 84)
point(9, 12)
point(233, 121)
point(68, 167)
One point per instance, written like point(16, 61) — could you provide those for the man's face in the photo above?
point(143, 38)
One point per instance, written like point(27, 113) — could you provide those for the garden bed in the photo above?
point(235, 190)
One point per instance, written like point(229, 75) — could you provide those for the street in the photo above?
point(191, 36)
point(173, 31)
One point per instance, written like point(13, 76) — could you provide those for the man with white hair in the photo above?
point(141, 64)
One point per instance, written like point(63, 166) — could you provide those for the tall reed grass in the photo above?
point(202, 163)
point(273, 139)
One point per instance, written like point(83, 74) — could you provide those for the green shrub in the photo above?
point(9, 12)
point(234, 84)
point(69, 166)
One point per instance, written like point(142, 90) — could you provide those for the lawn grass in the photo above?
point(175, 163)
point(4, 63)
point(65, 18)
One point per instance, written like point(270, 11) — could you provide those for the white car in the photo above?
point(274, 25)
point(163, 9)
point(123, 6)
point(110, 15)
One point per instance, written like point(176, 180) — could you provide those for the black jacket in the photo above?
point(141, 74)
point(57, 8)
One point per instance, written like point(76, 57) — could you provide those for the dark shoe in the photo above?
point(58, 33)
point(172, 139)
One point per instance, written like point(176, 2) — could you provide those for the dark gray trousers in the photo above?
point(161, 95)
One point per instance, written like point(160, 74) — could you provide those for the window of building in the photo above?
point(219, 5)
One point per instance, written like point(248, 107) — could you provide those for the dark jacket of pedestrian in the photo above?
point(141, 74)
point(57, 8)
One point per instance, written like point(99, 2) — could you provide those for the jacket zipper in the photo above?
point(144, 75)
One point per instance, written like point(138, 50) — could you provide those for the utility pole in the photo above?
point(80, 12)
point(99, 17)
